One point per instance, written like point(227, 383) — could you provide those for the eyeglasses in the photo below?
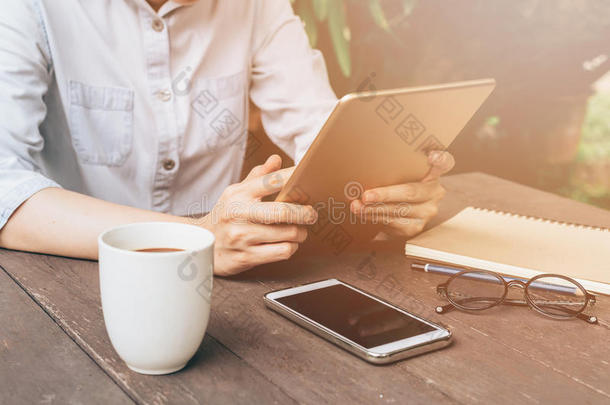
point(552, 295)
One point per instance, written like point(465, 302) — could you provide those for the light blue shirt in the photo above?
point(113, 100)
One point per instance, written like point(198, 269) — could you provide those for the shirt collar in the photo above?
point(165, 9)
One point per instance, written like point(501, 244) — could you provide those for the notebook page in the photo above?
point(547, 246)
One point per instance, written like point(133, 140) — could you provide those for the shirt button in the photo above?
point(169, 164)
point(164, 95)
point(157, 25)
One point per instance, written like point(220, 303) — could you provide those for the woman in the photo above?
point(125, 111)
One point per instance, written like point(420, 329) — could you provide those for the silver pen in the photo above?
point(440, 269)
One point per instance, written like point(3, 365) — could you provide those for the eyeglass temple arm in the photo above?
point(587, 318)
point(441, 290)
point(441, 309)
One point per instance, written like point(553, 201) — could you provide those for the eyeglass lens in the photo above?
point(476, 290)
point(556, 296)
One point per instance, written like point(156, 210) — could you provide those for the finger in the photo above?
point(404, 227)
point(273, 163)
point(274, 213)
point(269, 253)
point(259, 233)
point(441, 161)
point(267, 184)
point(395, 225)
point(240, 236)
point(410, 192)
point(401, 210)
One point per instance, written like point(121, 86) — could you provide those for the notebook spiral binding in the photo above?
point(544, 220)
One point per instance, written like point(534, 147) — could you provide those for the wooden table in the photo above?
point(54, 347)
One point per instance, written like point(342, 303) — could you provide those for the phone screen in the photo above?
point(355, 316)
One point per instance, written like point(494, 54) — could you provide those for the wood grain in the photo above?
point(509, 355)
point(39, 363)
point(68, 290)
point(505, 355)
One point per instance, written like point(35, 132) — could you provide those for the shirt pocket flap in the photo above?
point(102, 98)
point(220, 107)
point(226, 86)
point(101, 123)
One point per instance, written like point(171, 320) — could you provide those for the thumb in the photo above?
point(268, 184)
point(273, 163)
point(441, 162)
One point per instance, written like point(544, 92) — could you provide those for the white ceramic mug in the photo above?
point(156, 305)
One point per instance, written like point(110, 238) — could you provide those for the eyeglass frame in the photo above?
point(441, 289)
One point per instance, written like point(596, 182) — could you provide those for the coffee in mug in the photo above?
point(159, 250)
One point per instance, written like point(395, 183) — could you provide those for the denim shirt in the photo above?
point(149, 109)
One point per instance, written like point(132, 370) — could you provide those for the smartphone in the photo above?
point(358, 322)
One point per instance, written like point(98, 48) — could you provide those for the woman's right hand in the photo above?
point(250, 232)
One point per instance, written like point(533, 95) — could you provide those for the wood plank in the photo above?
point(39, 363)
point(514, 356)
point(68, 290)
point(492, 192)
point(506, 355)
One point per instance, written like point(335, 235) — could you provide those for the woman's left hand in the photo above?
point(405, 209)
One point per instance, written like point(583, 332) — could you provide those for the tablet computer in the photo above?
point(374, 139)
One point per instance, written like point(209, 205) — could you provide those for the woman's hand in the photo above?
point(405, 209)
point(250, 232)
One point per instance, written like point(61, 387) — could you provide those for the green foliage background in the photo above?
point(586, 178)
point(590, 173)
point(332, 14)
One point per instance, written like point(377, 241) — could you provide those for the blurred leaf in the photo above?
point(311, 28)
point(493, 121)
point(590, 177)
point(339, 34)
point(320, 8)
point(595, 136)
point(408, 6)
point(378, 15)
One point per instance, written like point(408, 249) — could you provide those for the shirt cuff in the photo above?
point(12, 199)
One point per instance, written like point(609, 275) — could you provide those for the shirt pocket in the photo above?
point(221, 105)
point(101, 123)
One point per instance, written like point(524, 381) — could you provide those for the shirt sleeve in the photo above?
point(289, 81)
point(25, 72)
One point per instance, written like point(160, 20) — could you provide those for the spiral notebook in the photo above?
point(518, 245)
